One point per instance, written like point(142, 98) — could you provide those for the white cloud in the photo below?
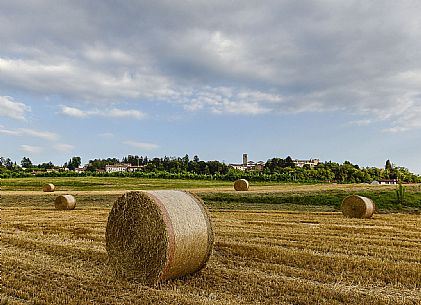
point(281, 57)
point(106, 135)
point(108, 113)
point(9, 132)
point(51, 136)
point(239, 108)
point(73, 112)
point(406, 119)
point(226, 100)
point(13, 109)
point(64, 147)
point(75, 78)
point(142, 145)
point(118, 113)
point(362, 122)
point(102, 54)
point(31, 149)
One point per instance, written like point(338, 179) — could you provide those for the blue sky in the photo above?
point(334, 80)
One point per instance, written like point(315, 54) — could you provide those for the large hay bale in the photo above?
point(65, 202)
point(357, 207)
point(48, 187)
point(153, 236)
point(241, 185)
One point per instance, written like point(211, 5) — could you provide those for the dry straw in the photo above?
point(49, 187)
point(241, 185)
point(357, 207)
point(65, 202)
point(152, 236)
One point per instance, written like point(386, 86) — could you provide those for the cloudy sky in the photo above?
point(327, 79)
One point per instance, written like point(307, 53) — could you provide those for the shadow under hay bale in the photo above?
point(241, 185)
point(152, 236)
point(357, 207)
point(49, 187)
point(65, 202)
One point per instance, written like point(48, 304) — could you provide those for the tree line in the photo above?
point(275, 169)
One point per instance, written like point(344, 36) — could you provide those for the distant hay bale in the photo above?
point(65, 202)
point(241, 185)
point(152, 236)
point(48, 187)
point(357, 207)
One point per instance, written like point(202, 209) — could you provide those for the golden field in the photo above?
point(260, 257)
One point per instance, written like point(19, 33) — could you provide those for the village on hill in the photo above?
point(274, 169)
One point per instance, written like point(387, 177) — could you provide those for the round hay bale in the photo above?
point(357, 207)
point(241, 185)
point(152, 236)
point(65, 202)
point(48, 187)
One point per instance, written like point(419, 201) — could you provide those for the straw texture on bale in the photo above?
point(65, 202)
point(357, 207)
point(152, 236)
point(49, 187)
point(241, 185)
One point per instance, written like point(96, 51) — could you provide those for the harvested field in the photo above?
point(260, 257)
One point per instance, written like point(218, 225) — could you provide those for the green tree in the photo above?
point(99, 164)
point(44, 165)
point(289, 162)
point(217, 167)
point(6, 162)
point(186, 160)
point(400, 194)
point(388, 165)
point(26, 162)
point(391, 170)
point(275, 165)
point(74, 163)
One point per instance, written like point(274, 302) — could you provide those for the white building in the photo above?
point(312, 162)
point(388, 181)
point(115, 168)
point(121, 167)
point(133, 168)
point(248, 165)
point(80, 169)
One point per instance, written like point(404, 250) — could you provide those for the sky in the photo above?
point(333, 80)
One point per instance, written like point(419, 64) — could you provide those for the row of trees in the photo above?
point(26, 163)
point(276, 169)
point(177, 165)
